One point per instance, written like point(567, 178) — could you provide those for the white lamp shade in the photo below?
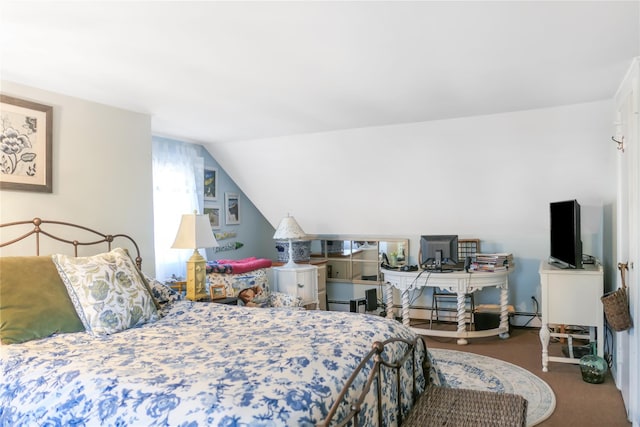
point(289, 230)
point(194, 233)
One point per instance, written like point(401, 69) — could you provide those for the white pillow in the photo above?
point(107, 291)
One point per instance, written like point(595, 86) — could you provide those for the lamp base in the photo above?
point(291, 263)
point(196, 277)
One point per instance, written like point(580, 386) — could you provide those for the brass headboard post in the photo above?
point(37, 230)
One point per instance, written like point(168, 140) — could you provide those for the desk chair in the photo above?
point(446, 296)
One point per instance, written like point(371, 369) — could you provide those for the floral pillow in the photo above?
point(107, 291)
point(162, 293)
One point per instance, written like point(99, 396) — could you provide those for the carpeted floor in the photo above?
point(577, 403)
point(476, 372)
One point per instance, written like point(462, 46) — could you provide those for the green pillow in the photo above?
point(34, 302)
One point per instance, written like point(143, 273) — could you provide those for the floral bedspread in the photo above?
point(202, 364)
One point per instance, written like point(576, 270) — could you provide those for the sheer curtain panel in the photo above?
point(178, 185)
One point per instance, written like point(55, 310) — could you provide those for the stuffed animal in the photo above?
point(249, 294)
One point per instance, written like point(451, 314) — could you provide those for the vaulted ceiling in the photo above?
point(227, 71)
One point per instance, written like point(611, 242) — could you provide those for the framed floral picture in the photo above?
point(25, 145)
point(232, 208)
point(214, 215)
point(211, 184)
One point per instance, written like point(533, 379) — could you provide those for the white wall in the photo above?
point(488, 177)
point(101, 171)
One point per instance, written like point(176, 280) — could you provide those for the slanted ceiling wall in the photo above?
point(487, 177)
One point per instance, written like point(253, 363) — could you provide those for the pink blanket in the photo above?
point(237, 266)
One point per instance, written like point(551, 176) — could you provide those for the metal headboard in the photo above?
point(37, 224)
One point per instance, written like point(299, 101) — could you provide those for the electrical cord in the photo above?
point(415, 280)
point(535, 315)
point(608, 357)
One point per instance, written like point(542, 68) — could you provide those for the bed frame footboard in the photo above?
point(375, 375)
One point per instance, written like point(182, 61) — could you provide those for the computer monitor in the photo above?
point(438, 250)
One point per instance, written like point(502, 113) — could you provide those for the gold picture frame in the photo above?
point(217, 292)
point(25, 145)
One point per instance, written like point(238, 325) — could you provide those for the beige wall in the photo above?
point(101, 170)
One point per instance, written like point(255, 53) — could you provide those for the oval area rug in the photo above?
point(460, 369)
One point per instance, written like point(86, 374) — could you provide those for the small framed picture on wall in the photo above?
point(214, 215)
point(211, 184)
point(232, 208)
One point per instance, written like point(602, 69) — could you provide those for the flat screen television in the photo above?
point(438, 250)
point(566, 243)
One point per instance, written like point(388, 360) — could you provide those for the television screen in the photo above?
point(437, 250)
point(566, 242)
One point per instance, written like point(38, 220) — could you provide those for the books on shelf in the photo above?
point(490, 262)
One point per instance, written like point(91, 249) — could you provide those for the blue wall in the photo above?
point(254, 232)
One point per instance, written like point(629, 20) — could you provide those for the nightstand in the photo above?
point(301, 281)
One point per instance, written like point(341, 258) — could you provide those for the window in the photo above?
point(178, 188)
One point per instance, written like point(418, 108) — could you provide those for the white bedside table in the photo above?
point(301, 281)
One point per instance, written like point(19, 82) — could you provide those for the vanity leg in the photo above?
point(462, 318)
point(405, 308)
point(545, 335)
point(388, 300)
point(504, 313)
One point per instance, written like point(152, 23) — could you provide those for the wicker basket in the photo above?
point(616, 305)
point(458, 407)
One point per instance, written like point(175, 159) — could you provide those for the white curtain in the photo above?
point(178, 188)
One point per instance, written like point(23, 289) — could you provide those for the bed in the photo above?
point(196, 363)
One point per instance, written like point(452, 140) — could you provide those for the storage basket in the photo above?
point(616, 305)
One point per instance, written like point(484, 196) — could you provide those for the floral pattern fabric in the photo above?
point(162, 293)
point(107, 291)
point(203, 364)
point(279, 299)
point(234, 283)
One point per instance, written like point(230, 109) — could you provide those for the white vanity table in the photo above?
point(460, 283)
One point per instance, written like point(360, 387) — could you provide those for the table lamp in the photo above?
point(195, 233)
point(289, 230)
